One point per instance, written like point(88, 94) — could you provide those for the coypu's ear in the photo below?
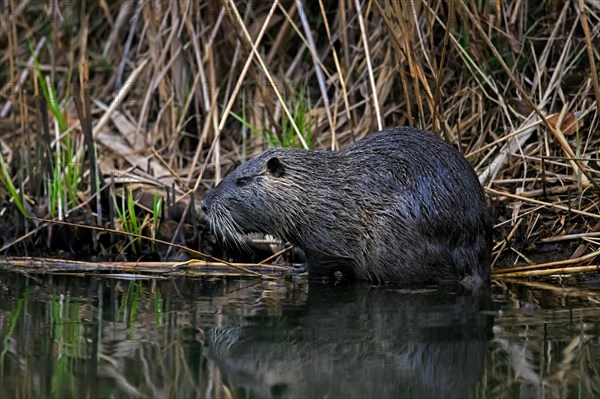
point(275, 167)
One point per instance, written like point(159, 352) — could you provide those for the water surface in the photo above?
point(98, 337)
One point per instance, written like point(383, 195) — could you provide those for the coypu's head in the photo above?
point(266, 194)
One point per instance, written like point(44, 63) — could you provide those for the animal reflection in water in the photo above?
point(360, 342)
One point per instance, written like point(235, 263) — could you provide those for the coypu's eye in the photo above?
point(242, 181)
point(275, 167)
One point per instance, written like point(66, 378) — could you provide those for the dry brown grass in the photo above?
point(512, 84)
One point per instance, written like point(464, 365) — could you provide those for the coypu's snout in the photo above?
point(207, 203)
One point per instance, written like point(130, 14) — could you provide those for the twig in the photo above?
point(267, 74)
point(548, 204)
point(549, 272)
point(547, 264)
point(365, 41)
point(23, 76)
point(318, 71)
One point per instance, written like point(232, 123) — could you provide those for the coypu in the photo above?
point(399, 206)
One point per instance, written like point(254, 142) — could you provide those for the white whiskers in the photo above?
point(222, 224)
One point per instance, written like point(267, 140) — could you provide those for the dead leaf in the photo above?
point(569, 124)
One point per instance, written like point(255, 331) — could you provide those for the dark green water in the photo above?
point(85, 337)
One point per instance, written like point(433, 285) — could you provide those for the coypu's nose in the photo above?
point(204, 206)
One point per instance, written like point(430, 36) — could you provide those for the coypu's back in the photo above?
point(400, 205)
point(443, 221)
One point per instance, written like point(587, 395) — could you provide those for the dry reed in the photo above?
point(181, 92)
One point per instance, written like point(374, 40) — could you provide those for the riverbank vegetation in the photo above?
point(116, 117)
